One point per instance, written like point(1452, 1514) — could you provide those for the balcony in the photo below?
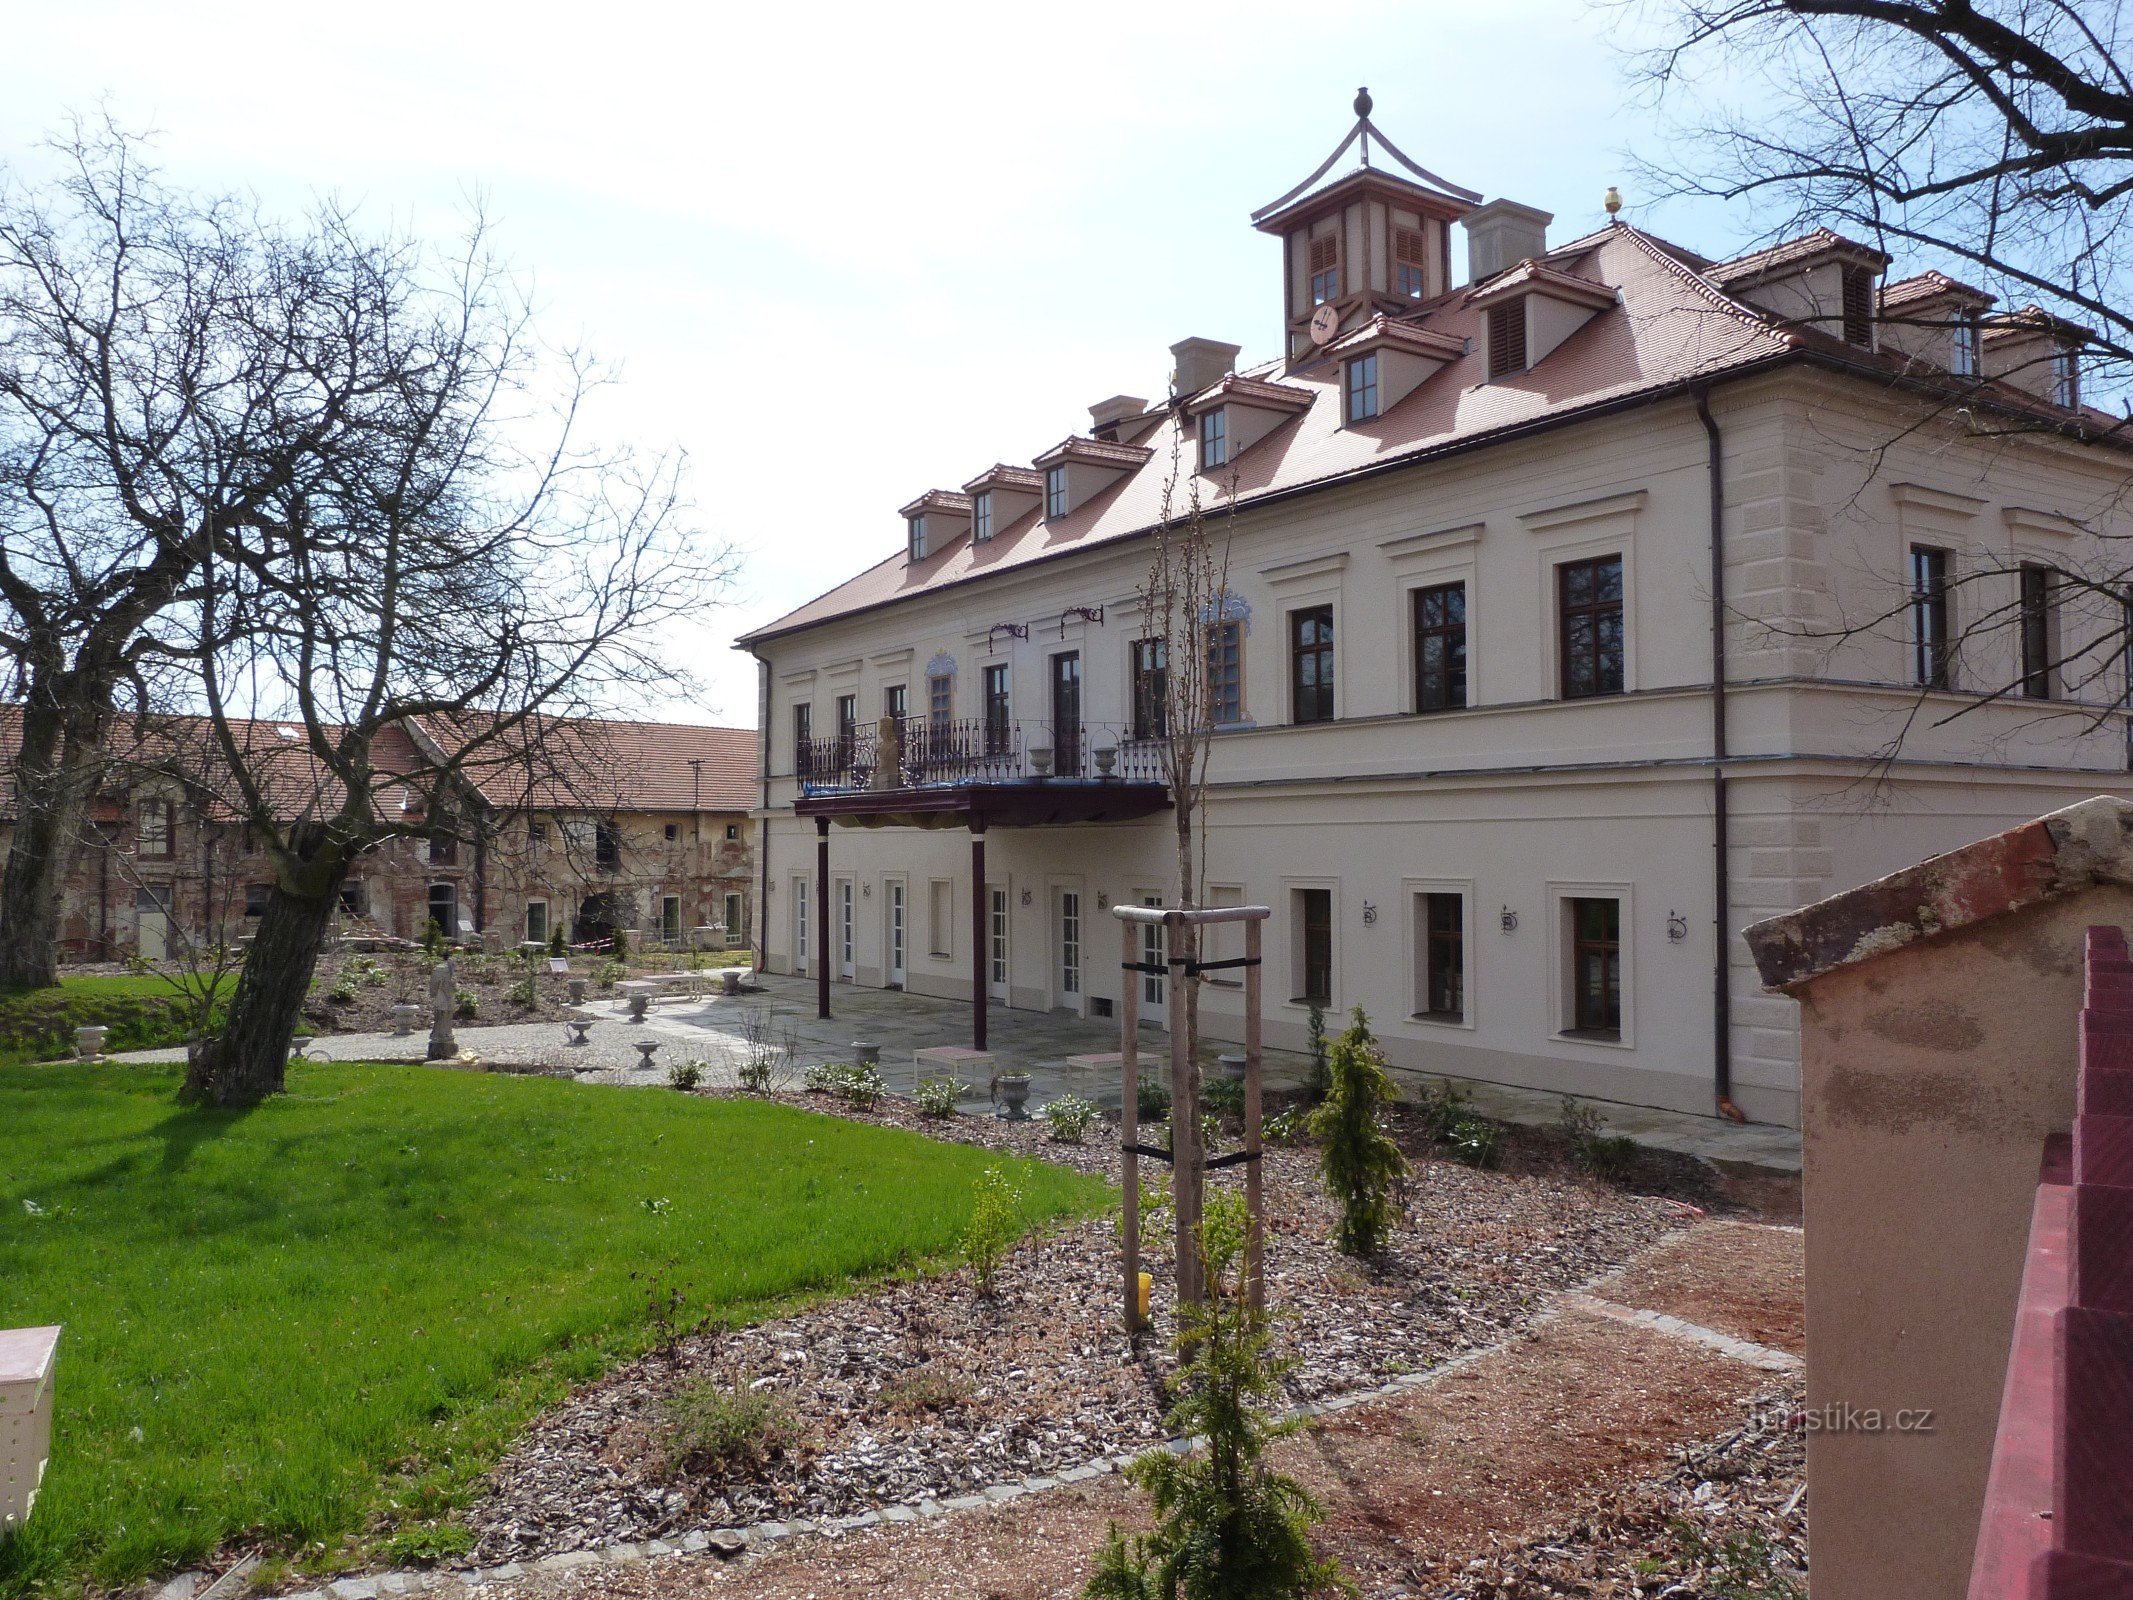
point(933, 755)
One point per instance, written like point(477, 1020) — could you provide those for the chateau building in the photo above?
point(654, 835)
point(1580, 611)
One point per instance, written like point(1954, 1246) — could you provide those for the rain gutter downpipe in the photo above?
point(1721, 829)
point(762, 829)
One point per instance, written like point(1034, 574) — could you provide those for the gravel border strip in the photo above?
point(737, 1541)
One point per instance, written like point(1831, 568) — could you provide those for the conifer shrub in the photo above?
point(1227, 1525)
point(1361, 1165)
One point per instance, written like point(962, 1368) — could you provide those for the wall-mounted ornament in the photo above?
point(1370, 914)
point(1677, 926)
point(1014, 630)
point(1103, 900)
point(866, 890)
point(1025, 897)
point(1507, 919)
point(1093, 614)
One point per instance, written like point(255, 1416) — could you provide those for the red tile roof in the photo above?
point(1668, 326)
point(1535, 277)
point(1792, 253)
point(1236, 389)
point(1927, 287)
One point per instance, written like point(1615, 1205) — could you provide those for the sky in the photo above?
point(843, 254)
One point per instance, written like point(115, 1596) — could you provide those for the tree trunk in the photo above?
point(55, 770)
point(250, 1059)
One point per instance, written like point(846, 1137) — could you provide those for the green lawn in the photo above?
point(142, 1011)
point(328, 1315)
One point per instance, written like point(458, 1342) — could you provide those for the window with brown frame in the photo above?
point(1314, 932)
point(1596, 967)
point(940, 700)
point(2066, 378)
point(1214, 438)
point(1410, 258)
point(998, 732)
point(1325, 268)
point(607, 845)
point(1858, 294)
point(981, 516)
point(1589, 600)
point(893, 703)
point(1929, 617)
point(847, 728)
point(1443, 956)
point(1151, 689)
point(1311, 664)
point(1440, 647)
point(1507, 339)
point(444, 850)
point(1225, 672)
point(151, 829)
point(2037, 586)
point(1055, 493)
point(1359, 389)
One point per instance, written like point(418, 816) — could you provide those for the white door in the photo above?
point(1070, 949)
point(897, 921)
point(847, 964)
point(996, 958)
point(800, 900)
point(151, 923)
point(1153, 953)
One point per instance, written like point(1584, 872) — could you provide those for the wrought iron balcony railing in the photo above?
point(925, 754)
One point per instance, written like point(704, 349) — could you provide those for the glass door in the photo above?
point(1070, 948)
point(1154, 951)
point(846, 940)
point(896, 934)
point(1066, 714)
point(996, 961)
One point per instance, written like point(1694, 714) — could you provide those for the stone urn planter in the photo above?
point(577, 1025)
point(89, 1041)
point(729, 980)
point(1014, 1096)
point(1106, 759)
point(1232, 1067)
point(576, 990)
point(405, 1016)
point(1040, 760)
point(865, 1054)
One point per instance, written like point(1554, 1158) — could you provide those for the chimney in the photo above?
point(1500, 235)
point(1106, 415)
point(1200, 362)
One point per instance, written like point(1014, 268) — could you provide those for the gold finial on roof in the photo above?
point(1613, 202)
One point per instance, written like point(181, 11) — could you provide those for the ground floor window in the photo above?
point(536, 922)
point(353, 900)
point(799, 920)
point(940, 917)
point(670, 918)
point(255, 898)
point(1596, 967)
point(1441, 933)
point(444, 909)
point(1313, 934)
point(736, 919)
point(1069, 943)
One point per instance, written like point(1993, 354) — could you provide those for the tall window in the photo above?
point(2037, 631)
point(892, 703)
point(1859, 307)
point(1360, 387)
point(996, 718)
point(915, 537)
point(1443, 938)
point(1440, 647)
point(1214, 438)
point(1069, 943)
point(1968, 361)
point(1507, 338)
point(803, 733)
point(1410, 256)
point(256, 896)
point(940, 699)
point(670, 918)
point(1055, 493)
point(1325, 269)
point(1225, 672)
point(1596, 967)
point(152, 828)
point(444, 850)
point(847, 724)
point(2066, 379)
point(1590, 602)
point(981, 517)
point(1151, 689)
point(1929, 617)
point(736, 919)
point(536, 922)
point(1311, 664)
point(607, 845)
point(1314, 933)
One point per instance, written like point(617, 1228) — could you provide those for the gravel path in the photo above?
point(925, 1389)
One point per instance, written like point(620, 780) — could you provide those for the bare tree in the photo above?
point(422, 606)
point(1185, 604)
point(132, 423)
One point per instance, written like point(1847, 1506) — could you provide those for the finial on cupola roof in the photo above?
point(1362, 102)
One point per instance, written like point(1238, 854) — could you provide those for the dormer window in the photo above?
point(1055, 492)
point(1507, 338)
point(1359, 388)
point(915, 536)
point(1967, 360)
point(1214, 439)
point(1410, 254)
point(981, 516)
point(1325, 269)
point(2066, 379)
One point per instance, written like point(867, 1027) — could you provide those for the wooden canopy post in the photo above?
point(820, 953)
point(1254, 1190)
point(1188, 1174)
point(1129, 1117)
point(978, 972)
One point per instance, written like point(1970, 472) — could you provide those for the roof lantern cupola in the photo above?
point(1369, 241)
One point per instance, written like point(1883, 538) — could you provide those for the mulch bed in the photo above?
point(925, 1388)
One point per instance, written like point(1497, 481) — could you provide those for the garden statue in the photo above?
point(442, 1045)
